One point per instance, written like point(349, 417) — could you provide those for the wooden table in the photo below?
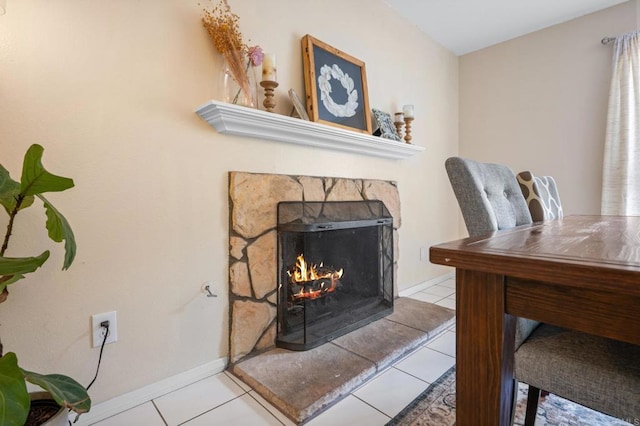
point(580, 272)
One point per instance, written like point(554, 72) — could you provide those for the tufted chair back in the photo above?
point(488, 195)
point(490, 200)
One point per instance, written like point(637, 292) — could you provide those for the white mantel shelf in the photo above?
point(238, 120)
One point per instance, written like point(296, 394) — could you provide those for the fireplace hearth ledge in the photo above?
point(304, 384)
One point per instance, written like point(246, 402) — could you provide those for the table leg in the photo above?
point(484, 353)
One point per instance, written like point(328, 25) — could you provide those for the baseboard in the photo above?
point(140, 396)
point(419, 287)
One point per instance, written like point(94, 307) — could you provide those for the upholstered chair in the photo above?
point(596, 372)
point(490, 200)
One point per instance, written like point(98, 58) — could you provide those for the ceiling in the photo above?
point(463, 26)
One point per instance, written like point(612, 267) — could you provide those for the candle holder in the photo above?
point(269, 103)
point(407, 121)
point(398, 121)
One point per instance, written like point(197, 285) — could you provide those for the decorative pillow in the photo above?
point(542, 196)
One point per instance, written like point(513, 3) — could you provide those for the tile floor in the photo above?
point(224, 400)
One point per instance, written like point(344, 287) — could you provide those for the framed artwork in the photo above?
point(298, 106)
point(336, 86)
point(385, 125)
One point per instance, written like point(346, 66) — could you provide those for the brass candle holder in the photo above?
point(398, 121)
point(269, 86)
point(407, 121)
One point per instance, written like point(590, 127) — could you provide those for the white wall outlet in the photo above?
point(98, 332)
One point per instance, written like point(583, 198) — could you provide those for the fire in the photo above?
point(304, 271)
point(314, 281)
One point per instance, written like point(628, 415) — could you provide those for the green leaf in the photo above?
point(35, 179)
point(21, 265)
point(59, 229)
point(15, 267)
point(14, 398)
point(9, 191)
point(64, 390)
point(9, 279)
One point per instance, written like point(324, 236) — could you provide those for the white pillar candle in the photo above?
point(408, 111)
point(399, 117)
point(269, 67)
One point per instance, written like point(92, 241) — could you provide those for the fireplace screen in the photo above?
point(335, 269)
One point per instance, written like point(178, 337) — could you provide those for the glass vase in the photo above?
point(238, 81)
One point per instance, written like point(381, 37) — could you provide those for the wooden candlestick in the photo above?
point(399, 125)
point(398, 121)
point(407, 121)
point(269, 103)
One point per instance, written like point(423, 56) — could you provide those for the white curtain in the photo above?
point(621, 171)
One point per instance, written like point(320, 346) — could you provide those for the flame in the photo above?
point(305, 272)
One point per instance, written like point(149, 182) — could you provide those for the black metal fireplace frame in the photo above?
point(310, 218)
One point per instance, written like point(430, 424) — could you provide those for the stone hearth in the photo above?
point(253, 198)
point(303, 384)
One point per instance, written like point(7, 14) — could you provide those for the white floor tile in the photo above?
point(350, 412)
point(190, 401)
point(425, 297)
point(439, 290)
point(142, 415)
point(238, 382)
point(426, 364)
point(447, 303)
point(445, 343)
point(273, 410)
point(451, 283)
point(375, 376)
point(391, 391)
point(239, 412)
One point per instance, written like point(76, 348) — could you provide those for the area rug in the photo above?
point(437, 406)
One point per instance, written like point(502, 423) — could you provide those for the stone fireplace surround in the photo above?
point(283, 377)
point(253, 198)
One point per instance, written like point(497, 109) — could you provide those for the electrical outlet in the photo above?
point(97, 331)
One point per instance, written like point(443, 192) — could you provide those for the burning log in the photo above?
point(309, 281)
point(313, 289)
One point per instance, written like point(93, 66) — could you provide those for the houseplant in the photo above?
point(14, 197)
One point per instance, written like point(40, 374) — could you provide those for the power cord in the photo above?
point(105, 325)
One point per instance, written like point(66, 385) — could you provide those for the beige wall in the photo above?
point(109, 89)
point(539, 102)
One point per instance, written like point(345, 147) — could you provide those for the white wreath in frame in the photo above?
point(338, 110)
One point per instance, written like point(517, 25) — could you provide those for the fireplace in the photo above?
point(253, 245)
point(334, 269)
